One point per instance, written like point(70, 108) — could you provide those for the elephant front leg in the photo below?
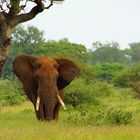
point(57, 106)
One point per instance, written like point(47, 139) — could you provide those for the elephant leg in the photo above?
point(56, 111)
point(57, 107)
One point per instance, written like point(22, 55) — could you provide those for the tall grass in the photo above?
point(87, 120)
point(19, 123)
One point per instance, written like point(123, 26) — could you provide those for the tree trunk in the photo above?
point(5, 40)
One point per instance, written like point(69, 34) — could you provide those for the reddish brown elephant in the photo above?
point(43, 80)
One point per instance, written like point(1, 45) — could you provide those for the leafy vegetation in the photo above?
point(128, 76)
point(107, 71)
point(105, 94)
point(107, 53)
point(10, 93)
point(91, 115)
point(18, 122)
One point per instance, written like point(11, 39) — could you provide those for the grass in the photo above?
point(19, 123)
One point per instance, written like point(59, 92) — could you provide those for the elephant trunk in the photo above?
point(49, 102)
point(46, 95)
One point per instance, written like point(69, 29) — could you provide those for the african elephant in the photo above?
point(43, 80)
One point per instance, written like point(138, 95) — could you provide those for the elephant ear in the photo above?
point(67, 70)
point(23, 68)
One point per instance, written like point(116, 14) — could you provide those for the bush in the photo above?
point(12, 99)
point(10, 93)
point(102, 89)
point(107, 71)
point(91, 115)
point(117, 116)
point(80, 91)
point(136, 88)
point(87, 71)
point(128, 77)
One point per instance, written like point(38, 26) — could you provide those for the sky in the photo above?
point(88, 21)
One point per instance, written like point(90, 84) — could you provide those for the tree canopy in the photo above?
point(108, 52)
point(14, 12)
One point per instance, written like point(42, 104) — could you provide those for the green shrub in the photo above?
point(117, 116)
point(87, 72)
point(99, 115)
point(128, 77)
point(80, 91)
point(10, 93)
point(107, 71)
point(102, 89)
point(12, 99)
point(136, 88)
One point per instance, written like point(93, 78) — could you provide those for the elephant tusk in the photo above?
point(61, 101)
point(37, 103)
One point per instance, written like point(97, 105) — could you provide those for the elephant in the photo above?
point(44, 79)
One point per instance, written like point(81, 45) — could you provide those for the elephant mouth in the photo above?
point(58, 97)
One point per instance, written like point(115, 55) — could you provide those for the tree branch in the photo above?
point(25, 17)
point(14, 7)
point(51, 4)
point(30, 15)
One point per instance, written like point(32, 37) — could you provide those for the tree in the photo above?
point(128, 77)
point(63, 48)
point(107, 53)
point(135, 51)
point(25, 40)
point(12, 13)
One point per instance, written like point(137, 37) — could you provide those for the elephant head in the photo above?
point(43, 78)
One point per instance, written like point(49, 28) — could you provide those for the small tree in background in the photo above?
point(107, 53)
point(135, 51)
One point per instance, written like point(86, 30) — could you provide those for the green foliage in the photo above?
point(27, 38)
point(19, 123)
point(91, 115)
point(10, 93)
point(107, 71)
point(30, 40)
point(12, 99)
point(62, 48)
point(102, 89)
point(118, 116)
point(135, 51)
point(87, 71)
point(80, 91)
point(107, 53)
point(128, 76)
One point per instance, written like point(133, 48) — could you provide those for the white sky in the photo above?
point(87, 21)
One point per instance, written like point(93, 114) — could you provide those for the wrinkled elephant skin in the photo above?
point(43, 80)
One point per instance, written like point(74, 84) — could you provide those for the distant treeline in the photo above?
point(30, 40)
